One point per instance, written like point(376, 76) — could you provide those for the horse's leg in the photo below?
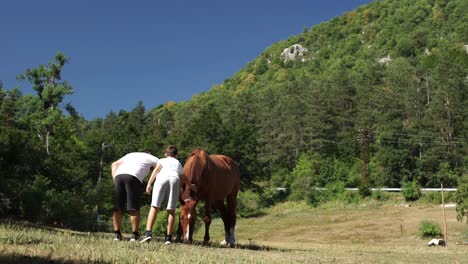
point(231, 216)
point(207, 220)
point(179, 232)
point(221, 207)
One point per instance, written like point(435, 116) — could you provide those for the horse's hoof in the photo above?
point(224, 243)
point(187, 242)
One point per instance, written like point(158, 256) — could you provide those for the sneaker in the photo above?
point(117, 236)
point(135, 237)
point(146, 238)
point(168, 240)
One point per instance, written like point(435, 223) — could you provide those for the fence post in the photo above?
point(443, 210)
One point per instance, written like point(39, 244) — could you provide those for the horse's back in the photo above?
point(226, 173)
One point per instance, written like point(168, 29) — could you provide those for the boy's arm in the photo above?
point(183, 179)
point(149, 186)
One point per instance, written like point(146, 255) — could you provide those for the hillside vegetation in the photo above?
point(373, 98)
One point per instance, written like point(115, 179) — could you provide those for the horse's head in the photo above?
point(188, 215)
point(195, 166)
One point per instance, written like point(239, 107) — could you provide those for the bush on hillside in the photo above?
point(429, 229)
point(436, 197)
point(379, 195)
point(411, 191)
point(303, 178)
point(249, 204)
point(364, 190)
point(337, 192)
point(272, 196)
point(160, 224)
point(461, 197)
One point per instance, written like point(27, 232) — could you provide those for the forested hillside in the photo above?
point(377, 97)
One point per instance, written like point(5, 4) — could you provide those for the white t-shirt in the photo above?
point(170, 167)
point(137, 164)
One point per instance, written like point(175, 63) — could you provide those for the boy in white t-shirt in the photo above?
point(167, 185)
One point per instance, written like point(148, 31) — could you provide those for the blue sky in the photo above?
point(122, 52)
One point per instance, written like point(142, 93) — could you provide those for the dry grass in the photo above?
point(287, 233)
point(372, 232)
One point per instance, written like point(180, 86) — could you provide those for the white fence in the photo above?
point(389, 189)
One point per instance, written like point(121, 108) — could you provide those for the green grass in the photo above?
point(370, 232)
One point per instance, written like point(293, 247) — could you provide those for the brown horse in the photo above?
point(212, 179)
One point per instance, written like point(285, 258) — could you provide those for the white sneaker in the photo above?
point(145, 238)
point(134, 238)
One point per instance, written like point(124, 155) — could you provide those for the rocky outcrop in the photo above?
point(294, 52)
point(385, 60)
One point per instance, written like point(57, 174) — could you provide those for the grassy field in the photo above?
point(371, 232)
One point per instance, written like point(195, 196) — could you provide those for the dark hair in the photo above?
point(146, 151)
point(171, 151)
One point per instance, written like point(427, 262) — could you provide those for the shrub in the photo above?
point(66, 209)
point(351, 197)
point(33, 198)
point(5, 204)
point(272, 196)
point(279, 178)
point(249, 204)
point(436, 197)
point(337, 191)
point(411, 191)
point(379, 195)
point(311, 197)
point(160, 224)
point(302, 179)
point(364, 190)
point(429, 229)
point(461, 197)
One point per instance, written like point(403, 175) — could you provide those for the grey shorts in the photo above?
point(166, 188)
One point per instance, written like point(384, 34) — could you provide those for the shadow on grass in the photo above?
point(250, 246)
point(22, 224)
point(41, 260)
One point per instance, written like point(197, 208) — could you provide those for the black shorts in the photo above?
point(127, 188)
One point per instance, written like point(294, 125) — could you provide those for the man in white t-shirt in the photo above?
point(128, 174)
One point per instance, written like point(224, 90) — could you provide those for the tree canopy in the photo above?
point(376, 97)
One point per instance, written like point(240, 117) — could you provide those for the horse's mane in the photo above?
point(196, 151)
point(197, 154)
point(194, 169)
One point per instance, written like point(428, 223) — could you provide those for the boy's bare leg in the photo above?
point(170, 221)
point(151, 218)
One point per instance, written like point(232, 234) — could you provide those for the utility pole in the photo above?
point(364, 140)
point(364, 189)
point(103, 147)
